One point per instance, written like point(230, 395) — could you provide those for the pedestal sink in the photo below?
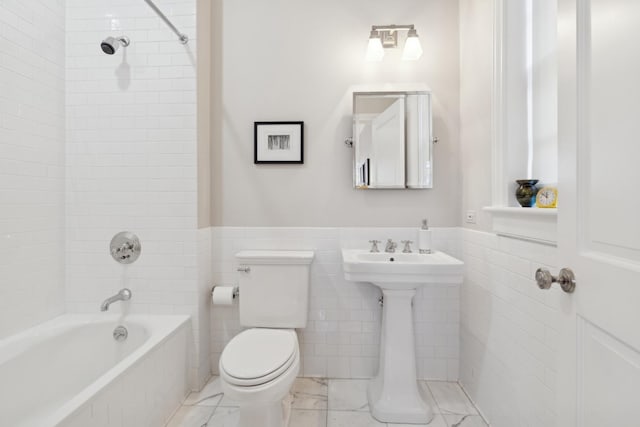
point(394, 395)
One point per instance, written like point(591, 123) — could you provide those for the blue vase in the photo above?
point(526, 192)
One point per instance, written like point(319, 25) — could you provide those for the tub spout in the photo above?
point(122, 295)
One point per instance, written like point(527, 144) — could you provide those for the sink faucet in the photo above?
point(122, 295)
point(390, 246)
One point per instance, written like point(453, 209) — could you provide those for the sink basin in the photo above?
point(400, 270)
point(394, 395)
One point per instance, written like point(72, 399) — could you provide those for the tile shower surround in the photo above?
point(341, 339)
point(131, 164)
point(32, 147)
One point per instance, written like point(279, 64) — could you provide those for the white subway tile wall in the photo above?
point(147, 394)
point(131, 161)
point(341, 339)
point(509, 330)
point(32, 155)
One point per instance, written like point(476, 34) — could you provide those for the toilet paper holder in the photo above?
point(236, 291)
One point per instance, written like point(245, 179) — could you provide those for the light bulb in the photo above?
point(375, 51)
point(412, 48)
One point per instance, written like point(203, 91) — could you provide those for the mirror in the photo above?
point(392, 140)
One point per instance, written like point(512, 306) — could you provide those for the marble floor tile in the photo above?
point(212, 388)
point(310, 393)
point(210, 394)
point(426, 394)
point(464, 421)
point(224, 417)
point(451, 399)
point(348, 395)
point(191, 416)
point(437, 421)
point(227, 402)
point(308, 418)
point(352, 419)
point(317, 402)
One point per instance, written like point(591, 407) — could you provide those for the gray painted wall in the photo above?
point(292, 60)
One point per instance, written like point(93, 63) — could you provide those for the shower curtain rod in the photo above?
point(181, 36)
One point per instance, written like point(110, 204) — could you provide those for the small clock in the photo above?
point(547, 197)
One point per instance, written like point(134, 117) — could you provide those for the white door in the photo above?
point(599, 221)
point(387, 138)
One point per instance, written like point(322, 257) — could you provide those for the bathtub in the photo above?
point(71, 372)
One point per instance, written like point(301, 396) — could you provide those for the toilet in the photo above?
point(258, 366)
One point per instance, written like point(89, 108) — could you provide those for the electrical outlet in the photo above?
point(471, 217)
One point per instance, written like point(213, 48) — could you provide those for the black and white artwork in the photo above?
point(278, 142)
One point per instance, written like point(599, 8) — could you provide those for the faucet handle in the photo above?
point(374, 245)
point(407, 246)
point(391, 246)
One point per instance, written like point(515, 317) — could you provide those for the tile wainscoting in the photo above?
point(508, 329)
point(341, 339)
point(496, 333)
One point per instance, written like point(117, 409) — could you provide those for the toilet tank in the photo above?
point(274, 289)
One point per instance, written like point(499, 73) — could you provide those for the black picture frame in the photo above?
point(278, 142)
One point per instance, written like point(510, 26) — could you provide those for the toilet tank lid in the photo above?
point(275, 257)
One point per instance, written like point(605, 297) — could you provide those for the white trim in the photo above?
point(538, 225)
point(534, 224)
point(583, 100)
point(498, 147)
point(529, 68)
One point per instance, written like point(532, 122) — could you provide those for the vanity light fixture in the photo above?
point(375, 51)
point(386, 36)
point(412, 48)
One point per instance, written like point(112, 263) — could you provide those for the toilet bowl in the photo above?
point(259, 365)
point(257, 369)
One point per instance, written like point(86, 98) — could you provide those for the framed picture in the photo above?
point(278, 142)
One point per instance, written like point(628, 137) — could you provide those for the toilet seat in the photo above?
point(257, 356)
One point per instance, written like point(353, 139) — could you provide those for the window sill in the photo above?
point(538, 225)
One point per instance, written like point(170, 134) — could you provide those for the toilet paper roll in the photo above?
point(222, 295)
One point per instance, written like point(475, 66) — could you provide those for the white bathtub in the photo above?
point(70, 371)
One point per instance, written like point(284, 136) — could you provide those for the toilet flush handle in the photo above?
point(244, 269)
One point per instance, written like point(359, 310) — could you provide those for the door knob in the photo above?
point(566, 279)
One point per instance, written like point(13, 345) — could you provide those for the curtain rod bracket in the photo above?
point(181, 36)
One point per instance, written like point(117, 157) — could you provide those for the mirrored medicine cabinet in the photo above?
point(392, 140)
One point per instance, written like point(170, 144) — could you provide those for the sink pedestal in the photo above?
point(394, 395)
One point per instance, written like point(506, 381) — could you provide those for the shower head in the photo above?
point(111, 44)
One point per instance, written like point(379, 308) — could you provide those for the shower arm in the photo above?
point(181, 36)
